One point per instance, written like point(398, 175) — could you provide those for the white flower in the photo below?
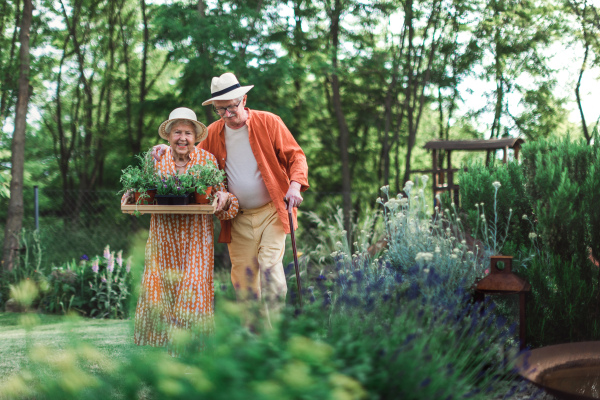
point(524, 217)
point(456, 250)
point(532, 235)
point(437, 249)
point(408, 186)
point(496, 184)
point(379, 200)
point(424, 179)
point(426, 270)
point(338, 245)
point(423, 258)
point(385, 189)
point(454, 256)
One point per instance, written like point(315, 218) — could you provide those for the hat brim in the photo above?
point(201, 131)
point(234, 94)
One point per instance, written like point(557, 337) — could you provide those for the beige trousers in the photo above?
point(256, 251)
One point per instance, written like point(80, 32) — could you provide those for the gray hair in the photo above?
point(180, 121)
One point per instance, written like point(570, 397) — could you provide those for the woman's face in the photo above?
point(182, 138)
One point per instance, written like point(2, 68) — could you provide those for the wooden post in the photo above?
point(434, 177)
point(505, 155)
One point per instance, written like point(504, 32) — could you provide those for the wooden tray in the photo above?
point(168, 209)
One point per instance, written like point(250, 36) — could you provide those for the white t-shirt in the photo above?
point(243, 176)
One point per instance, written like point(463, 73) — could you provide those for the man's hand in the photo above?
point(223, 201)
point(293, 194)
point(158, 151)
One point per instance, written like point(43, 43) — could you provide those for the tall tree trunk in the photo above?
point(14, 220)
point(586, 134)
point(5, 97)
point(344, 137)
point(143, 88)
point(410, 112)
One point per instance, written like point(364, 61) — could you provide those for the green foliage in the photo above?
point(204, 176)
point(140, 178)
point(478, 197)
point(563, 306)
point(560, 186)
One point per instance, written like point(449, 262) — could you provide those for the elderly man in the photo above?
point(263, 163)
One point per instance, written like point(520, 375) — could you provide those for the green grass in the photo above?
point(113, 338)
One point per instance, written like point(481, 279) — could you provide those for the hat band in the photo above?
point(226, 90)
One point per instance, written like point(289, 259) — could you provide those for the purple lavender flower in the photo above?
point(111, 263)
point(84, 257)
point(103, 279)
point(95, 266)
point(128, 266)
point(120, 258)
point(107, 252)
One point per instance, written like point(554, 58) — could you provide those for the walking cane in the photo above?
point(289, 209)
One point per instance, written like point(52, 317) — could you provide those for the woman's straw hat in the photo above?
point(183, 113)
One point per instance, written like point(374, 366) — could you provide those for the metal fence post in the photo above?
point(37, 208)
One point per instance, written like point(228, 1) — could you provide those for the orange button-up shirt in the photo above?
point(279, 157)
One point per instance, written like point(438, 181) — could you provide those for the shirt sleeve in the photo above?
point(289, 154)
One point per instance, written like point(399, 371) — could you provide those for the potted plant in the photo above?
point(203, 179)
point(174, 190)
point(141, 180)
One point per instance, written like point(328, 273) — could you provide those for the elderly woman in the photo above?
point(177, 288)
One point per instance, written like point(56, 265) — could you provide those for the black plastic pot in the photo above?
point(172, 199)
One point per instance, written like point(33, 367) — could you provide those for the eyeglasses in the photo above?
point(231, 109)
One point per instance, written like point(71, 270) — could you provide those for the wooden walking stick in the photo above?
point(290, 215)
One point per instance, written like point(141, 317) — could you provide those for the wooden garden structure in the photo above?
point(443, 178)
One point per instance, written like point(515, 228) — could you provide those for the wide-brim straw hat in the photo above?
point(226, 87)
point(187, 114)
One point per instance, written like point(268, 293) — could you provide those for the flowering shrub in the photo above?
point(99, 287)
point(416, 238)
point(111, 289)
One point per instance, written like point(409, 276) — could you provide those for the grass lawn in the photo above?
point(111, 337)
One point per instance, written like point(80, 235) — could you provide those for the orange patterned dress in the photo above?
point(177, 287)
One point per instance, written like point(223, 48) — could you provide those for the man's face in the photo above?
point(232, 112)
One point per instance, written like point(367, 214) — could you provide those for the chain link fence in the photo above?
point(74, 223)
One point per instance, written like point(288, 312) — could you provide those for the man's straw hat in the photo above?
point(226, 87)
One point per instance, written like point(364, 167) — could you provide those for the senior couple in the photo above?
point(263, 164)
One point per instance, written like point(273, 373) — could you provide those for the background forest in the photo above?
point(362, 85)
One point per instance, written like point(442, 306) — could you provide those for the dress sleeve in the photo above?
point(234, 205)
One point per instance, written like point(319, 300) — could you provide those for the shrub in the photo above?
point(474, 184)
point(562, 307)
point(99, 287)
point(562, 186)
point(416, 238)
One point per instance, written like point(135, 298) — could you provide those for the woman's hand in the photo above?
point(158, 151)
point(223, 201)
point(128, 198)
